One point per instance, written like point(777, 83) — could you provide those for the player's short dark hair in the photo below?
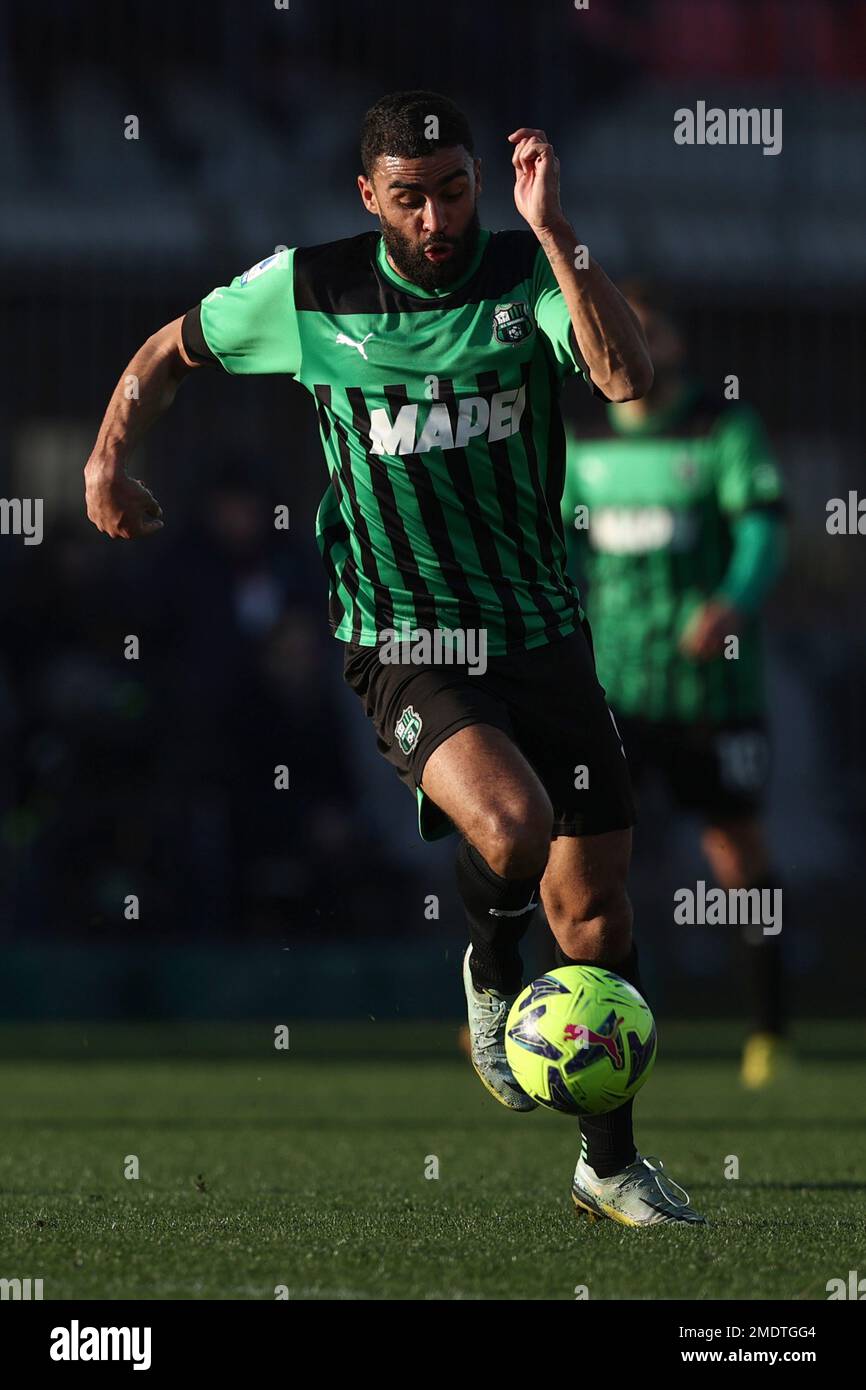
point(397, 125)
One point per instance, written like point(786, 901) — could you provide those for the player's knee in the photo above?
point(515, 837)
point(596, 928)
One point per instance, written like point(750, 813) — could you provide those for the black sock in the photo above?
point(607, 1141)
point(763, 960)
point(495, 961)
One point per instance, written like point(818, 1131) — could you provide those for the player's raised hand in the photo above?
point(709, 628)
point(536, 178)
point(120, 506)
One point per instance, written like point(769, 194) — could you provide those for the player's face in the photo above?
point(428, 212)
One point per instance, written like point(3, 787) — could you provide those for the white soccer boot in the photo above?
point(488, 1014)
point(641, 1195)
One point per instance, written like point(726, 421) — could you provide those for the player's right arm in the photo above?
point(120, 506)
point(249, 327)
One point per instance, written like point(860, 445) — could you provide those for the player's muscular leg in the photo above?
point(482, 781)
point(736, 852)
point(589, 913)
point(585, 898)
point(739, 858)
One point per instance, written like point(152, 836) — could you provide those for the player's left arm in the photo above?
point(749, 491)
point(609, 338)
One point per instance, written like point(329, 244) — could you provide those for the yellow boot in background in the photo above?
point(766, 1057)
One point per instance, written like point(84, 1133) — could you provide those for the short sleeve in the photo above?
point(251, 325)
point(552, 316)
point(747, 475)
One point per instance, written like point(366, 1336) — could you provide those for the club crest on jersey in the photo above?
point(512, 322)
point(407, 729)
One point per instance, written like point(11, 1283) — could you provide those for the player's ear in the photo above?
point(477, 167)
point(368, 195)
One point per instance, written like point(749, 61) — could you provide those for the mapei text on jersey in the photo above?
point(447, 426)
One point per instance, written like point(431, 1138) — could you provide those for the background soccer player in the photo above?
point(435, 351)
point(684, 540)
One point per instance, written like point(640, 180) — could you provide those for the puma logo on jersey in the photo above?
point(352, 342)
point(448, 426)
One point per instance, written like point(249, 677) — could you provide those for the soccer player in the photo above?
point(435, 351)
point(684, 540)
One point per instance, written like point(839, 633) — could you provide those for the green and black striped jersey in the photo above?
point(649, 507)
point(439, 417)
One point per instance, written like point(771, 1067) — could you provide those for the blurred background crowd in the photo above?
point(154, 777)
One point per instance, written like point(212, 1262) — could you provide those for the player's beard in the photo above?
point(408, 256)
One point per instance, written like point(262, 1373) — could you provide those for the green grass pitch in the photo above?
point(306, 1169)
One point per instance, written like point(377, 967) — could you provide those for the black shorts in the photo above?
point(717, 770)
point(548, 701)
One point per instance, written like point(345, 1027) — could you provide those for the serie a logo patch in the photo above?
point(512, 322)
